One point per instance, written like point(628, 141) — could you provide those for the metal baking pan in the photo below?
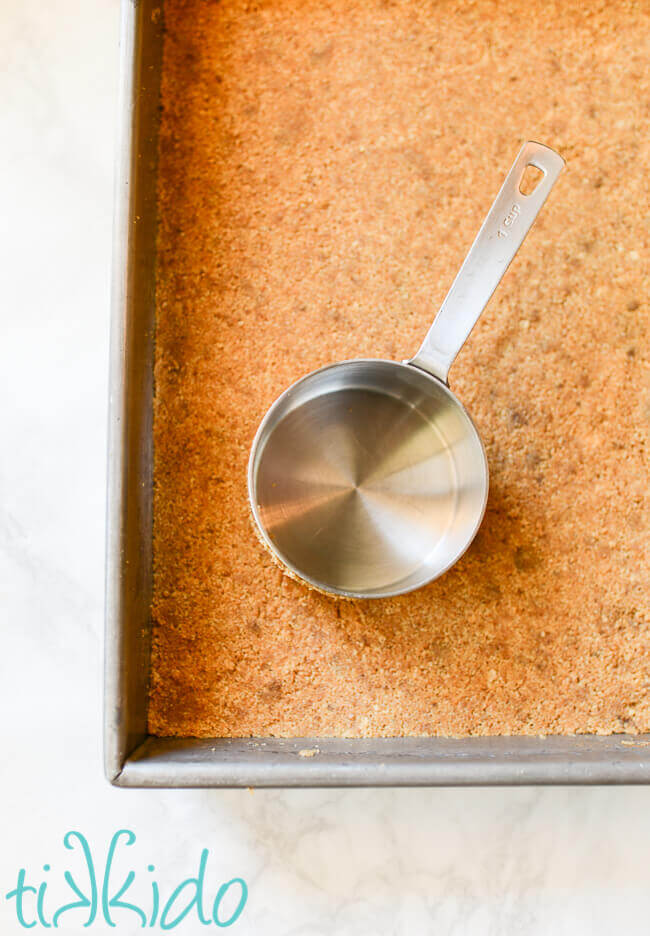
point(132, 757)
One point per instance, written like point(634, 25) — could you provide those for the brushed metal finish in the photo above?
point(368, 479)
point(383, 762)
point(129, 539)
point(502, 234)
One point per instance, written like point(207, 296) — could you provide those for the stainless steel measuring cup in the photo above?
point(368, 478)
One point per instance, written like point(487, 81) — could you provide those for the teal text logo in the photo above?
point(122, 897)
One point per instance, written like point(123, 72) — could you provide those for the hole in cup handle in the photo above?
point(530, 179)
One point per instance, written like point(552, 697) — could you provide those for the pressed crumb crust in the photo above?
point(324, 167)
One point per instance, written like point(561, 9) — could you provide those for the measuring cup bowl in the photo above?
point(368, 478)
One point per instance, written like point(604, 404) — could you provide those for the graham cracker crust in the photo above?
point(324, 167)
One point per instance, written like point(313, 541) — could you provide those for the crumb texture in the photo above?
point(324, 167)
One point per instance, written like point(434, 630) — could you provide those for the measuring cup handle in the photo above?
point(501, 235)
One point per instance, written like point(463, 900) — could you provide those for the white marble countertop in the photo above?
point(366, 862)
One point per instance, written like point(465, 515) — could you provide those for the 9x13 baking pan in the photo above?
point(132, 757)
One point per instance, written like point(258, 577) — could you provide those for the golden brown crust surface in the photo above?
point(324, 167)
